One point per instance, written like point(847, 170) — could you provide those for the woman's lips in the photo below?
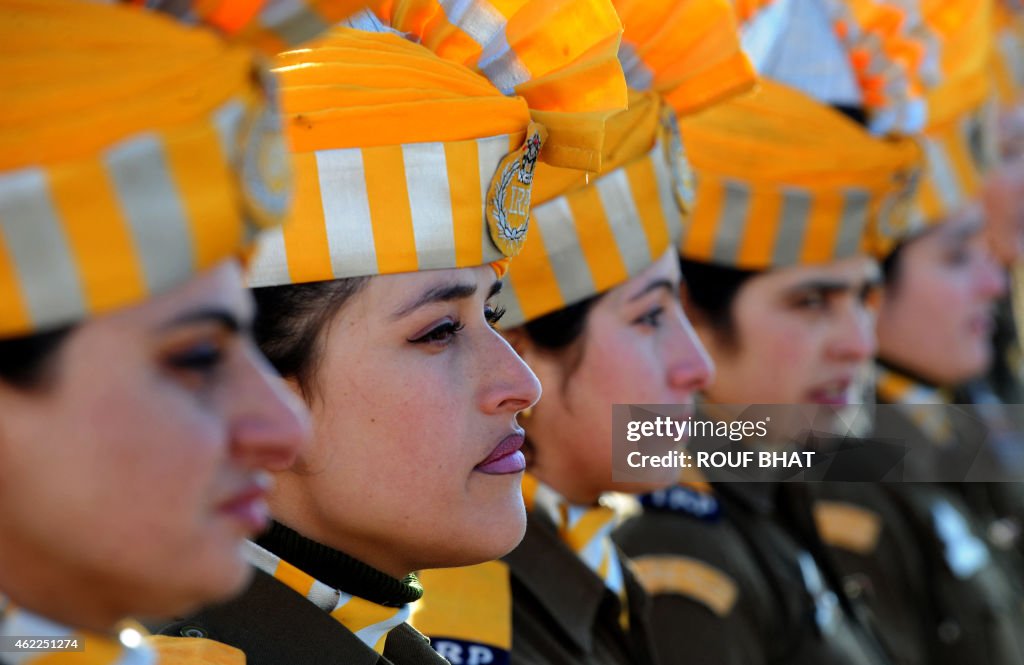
point(248, 507)
point(836, 393)
point(505, 458)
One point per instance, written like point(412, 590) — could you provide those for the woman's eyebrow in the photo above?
point(441, 293)
point(962, 234)
point(654, 285)
point(220, 316)
point(829, 285)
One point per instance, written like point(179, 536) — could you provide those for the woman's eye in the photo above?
point(812, 301)
point(201, 358)
point(651, 318)
point(493, 315)
point(442, 334)
point(958, 257)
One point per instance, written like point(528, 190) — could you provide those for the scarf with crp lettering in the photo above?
point(586, 530)
point(128, 648)
point(369, 621)
point(917, 400)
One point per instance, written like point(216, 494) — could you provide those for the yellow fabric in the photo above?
point(368, 621)
point(670, 574)
point(472, 604)
point(274, 31)
point(848, 526)
point(690, 51)
point(784, 180)
point(960, 139)
point(133, 153)
point(591, 234)
point(558, 55)
point(918, 402)
point(354, 89)
point(401, 153)
point(194, 651)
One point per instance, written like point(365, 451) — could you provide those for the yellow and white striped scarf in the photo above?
point(918, 401)
point(129, 648)
point(369, 621)
point(586, 530)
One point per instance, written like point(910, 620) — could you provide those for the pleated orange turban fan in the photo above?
point(591, 234)
point(872, 54)
point(407, 160)
point(960, 137)
point(134, 153)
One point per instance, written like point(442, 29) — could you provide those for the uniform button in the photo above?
point(858, 585)
point(949, 631)
point(1004, 533)
point(193, 631)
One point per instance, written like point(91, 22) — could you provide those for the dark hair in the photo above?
point(27, 362)
point(891, 265)
point(712, 290)
point(561, 331)
point(291, 320)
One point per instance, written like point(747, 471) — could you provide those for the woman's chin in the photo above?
point(495, 532)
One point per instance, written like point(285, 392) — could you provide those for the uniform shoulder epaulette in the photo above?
point(847, 526)
point(661, 574)
point(194, 651)
point(467, 613)
point(693, 499)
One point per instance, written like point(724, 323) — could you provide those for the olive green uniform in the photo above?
point(562, 613)
point(737, 578)
point(930, 559)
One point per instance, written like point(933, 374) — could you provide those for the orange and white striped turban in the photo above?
point(785, 180)
point(589, 235)
point(409, 161)
point(134, 154)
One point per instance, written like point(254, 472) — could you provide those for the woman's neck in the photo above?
point(57, 594)
point(896, 367)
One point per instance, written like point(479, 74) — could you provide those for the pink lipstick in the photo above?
point(505, 458)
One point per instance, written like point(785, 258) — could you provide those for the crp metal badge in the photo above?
point(266, 174)
point(896, 212)
point(679, 165)
point(508, 197)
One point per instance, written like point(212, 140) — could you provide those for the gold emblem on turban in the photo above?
point(508, 198)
